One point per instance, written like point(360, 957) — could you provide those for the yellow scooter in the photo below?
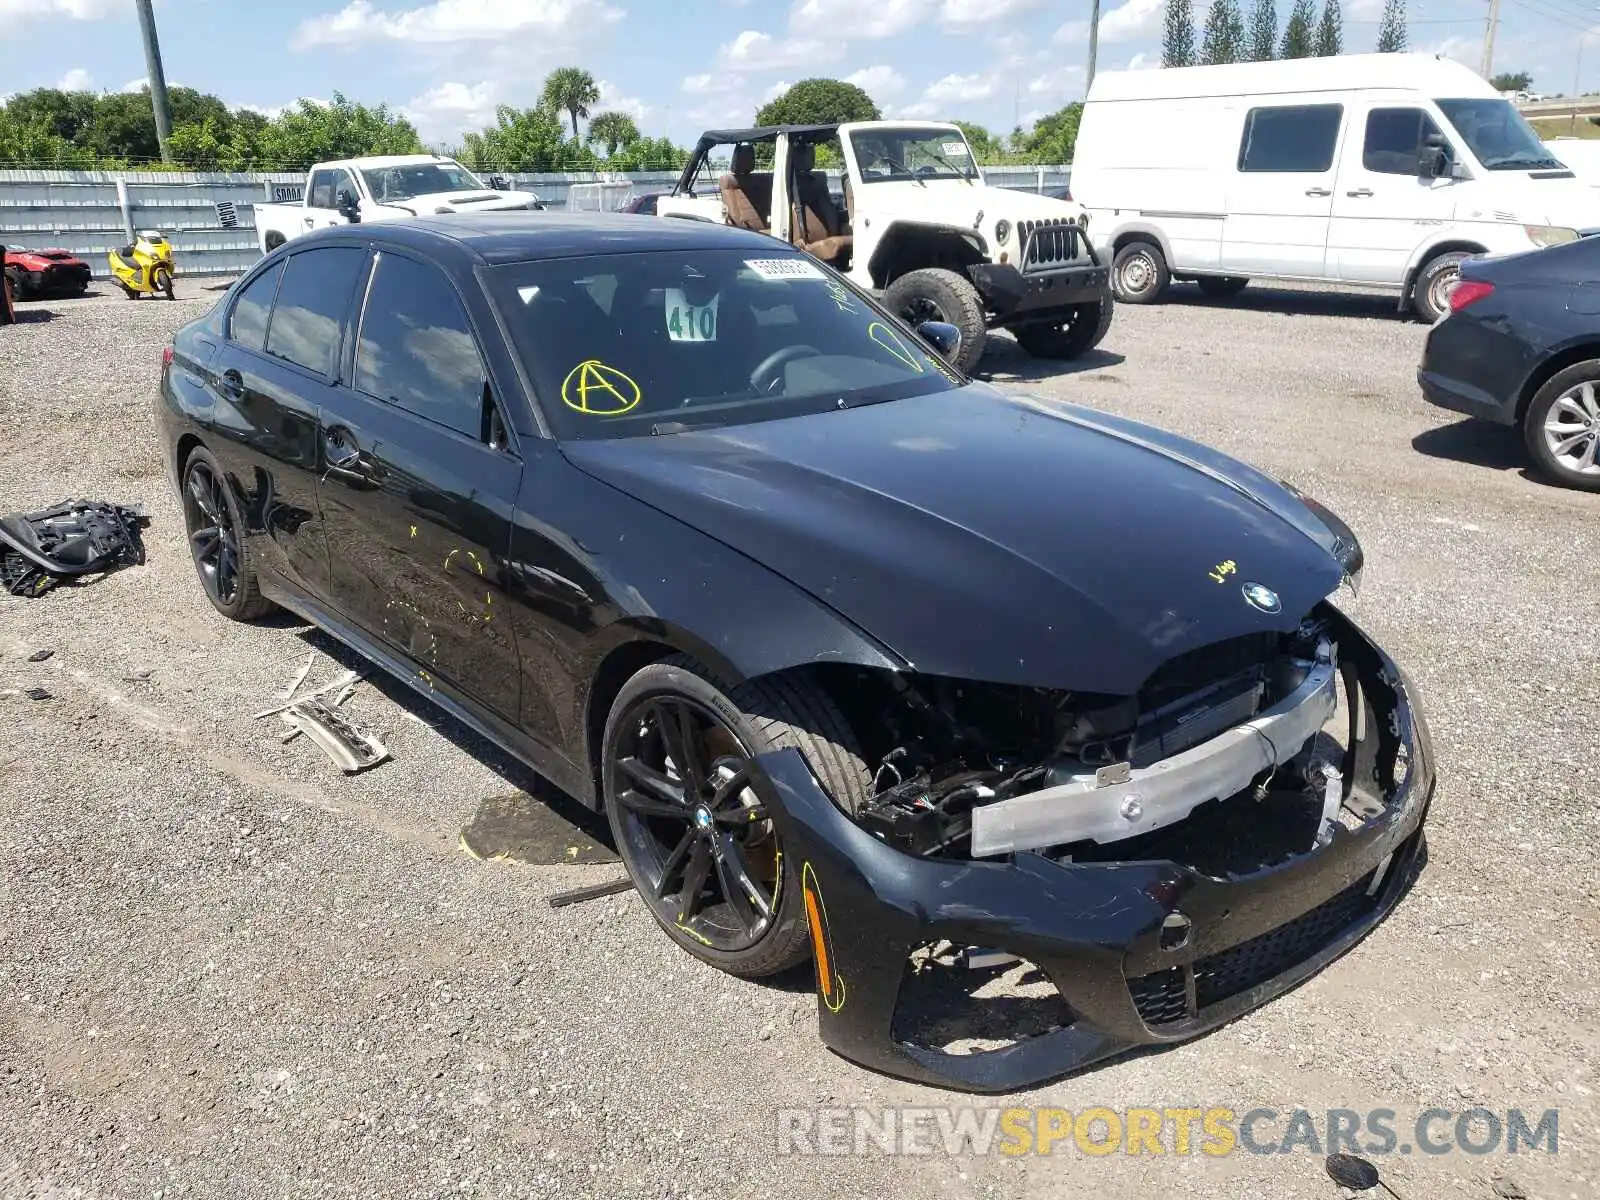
point(145, 267)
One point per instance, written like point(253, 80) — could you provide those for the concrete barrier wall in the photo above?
point(92, 212)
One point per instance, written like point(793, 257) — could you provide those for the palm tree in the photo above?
point(611, 130)
point(571, 90)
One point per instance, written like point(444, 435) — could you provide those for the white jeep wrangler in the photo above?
point(917, 223)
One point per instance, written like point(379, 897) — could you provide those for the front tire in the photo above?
point(934, 294)
point(1430, 294)
point(1139, 273)
point(693, 836)
point(1073, 338)
point(1562, 427)
point(215, 531)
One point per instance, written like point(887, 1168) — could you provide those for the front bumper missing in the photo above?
point(1100, 932)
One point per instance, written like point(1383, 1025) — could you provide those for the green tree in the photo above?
point(1224, 40)
point(649, 154)
point(1263, 41)
point(60, 114)
point(313, 132)
point(571, 90)
point(1392, 29)
point(1330, 31)
point(1054, 137)
point(1299, 35)
point(29, 139)
point(1512, 81)
point(819, 102)
point(526, 139)
point(1177, 40)
point(985, 146)
point(613, 130)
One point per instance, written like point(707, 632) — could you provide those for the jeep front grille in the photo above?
point(1049, 243)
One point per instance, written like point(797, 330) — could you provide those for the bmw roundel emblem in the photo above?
point(1260, 596)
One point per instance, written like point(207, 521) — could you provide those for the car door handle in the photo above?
point(347, 461)
point(1360, 192)
point(231, 384)
point(1319, 191)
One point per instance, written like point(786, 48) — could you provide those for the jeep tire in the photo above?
point(934, 294)
point(1072, 338)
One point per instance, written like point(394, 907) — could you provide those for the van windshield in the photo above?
point(1497, 135)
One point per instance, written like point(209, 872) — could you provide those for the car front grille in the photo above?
point(1162, 997)
point(1054, 243)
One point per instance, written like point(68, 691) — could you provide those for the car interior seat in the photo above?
point(746, 195)
point(817, 229)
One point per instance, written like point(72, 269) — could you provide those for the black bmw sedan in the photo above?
point(1521, 348)
point(859, 656)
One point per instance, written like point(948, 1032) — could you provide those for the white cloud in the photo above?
point(753, 51)
point(453, 21)
point(920, 111)
point(965, 14)
point(76, 80)
point(1463, 50)
point(959, 88)
point(612, 99)
point(776, 90)
point(878, 82)
point(76, 10)
point(139, 84)
point(1143, 62)
point(1074, 32)
point(710, 85)
point(1133, 21)
point(445, 112)
point(857, 19)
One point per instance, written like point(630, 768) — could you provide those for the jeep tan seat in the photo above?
point(746, 196)
point(816, 221)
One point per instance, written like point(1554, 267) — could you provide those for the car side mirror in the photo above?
point(498, 183)
point(349, 206)
point(1433, 158)
point(942, 336)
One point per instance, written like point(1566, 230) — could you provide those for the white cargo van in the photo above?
point(1373, 169)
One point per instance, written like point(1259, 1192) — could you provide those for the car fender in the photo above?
point(1136, 227)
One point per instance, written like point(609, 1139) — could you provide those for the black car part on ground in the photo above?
point(43, 549)
point(1145, 942)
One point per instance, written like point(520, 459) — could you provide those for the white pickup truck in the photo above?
point(387, 188)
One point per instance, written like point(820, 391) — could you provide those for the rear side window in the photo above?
point(417, 350)
point(311, 306)
point(1297, 139)
point(248, 324)
point(1394, 137)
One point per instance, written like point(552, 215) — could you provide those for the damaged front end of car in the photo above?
point(1043, 879)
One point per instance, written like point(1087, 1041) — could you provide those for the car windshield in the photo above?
point(1497, 135)
point(888, 153)
point(629, 345)
point(388, 184)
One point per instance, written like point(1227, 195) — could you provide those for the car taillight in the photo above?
point(166, 356)
point(1468, 291)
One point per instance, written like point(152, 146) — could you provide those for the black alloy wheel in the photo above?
point(220, 557)
point(693, 831)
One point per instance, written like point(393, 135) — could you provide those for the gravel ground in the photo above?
point(225, 969)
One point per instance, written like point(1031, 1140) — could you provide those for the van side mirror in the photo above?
point(1433, 157)
point(942, 336)
point(349, 206)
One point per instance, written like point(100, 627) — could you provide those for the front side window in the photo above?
point(416, 348)
point(390, 185)
point(312, 302)
point(247, 325)
point(884, 154)
point(1394, 140)
point(626, 345)
point(322, 189)
point(1497, 135)
point(1293, 139)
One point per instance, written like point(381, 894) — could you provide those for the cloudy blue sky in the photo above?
point(681, 66)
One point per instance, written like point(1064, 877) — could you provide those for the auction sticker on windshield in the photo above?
point(954, 149)
point(688, 322)
point(784, 268)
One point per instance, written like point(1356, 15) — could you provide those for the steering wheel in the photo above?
point(759, 378)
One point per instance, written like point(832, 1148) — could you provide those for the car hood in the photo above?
point(989, 536)
point(1533, 198)
point(485, 201)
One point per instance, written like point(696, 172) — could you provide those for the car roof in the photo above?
point(523, 236)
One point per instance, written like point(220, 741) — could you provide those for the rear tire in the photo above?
point(215, 533)
point(934, 294)
point(728, 726)
point(19, 286)
point(1072, 338)
point(1139, 273)
point(1565, 413)
point(274, 240)
point(1220, 287)
point(1430, 293)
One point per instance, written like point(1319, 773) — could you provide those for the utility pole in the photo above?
point(1094, 43)
point(158, 79)
point(1488, 39)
